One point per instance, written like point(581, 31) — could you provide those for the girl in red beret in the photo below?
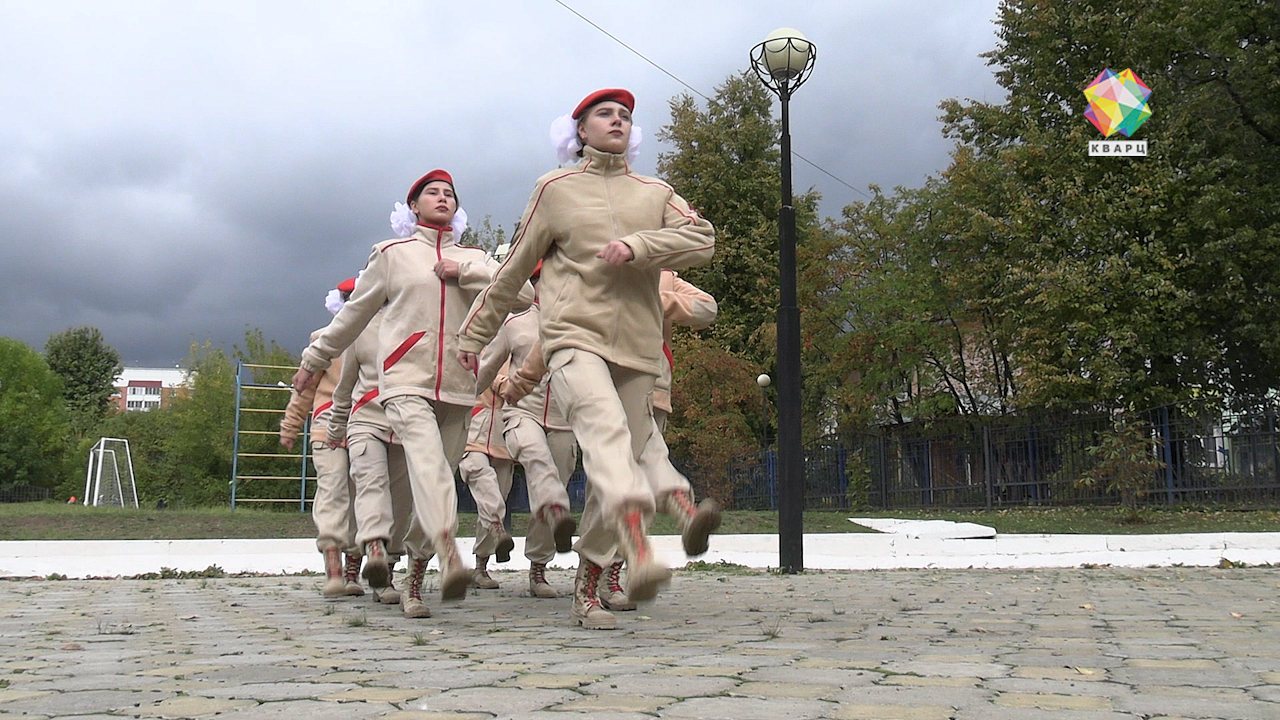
point(332, 506)
point(423, 282)
point(604, 234)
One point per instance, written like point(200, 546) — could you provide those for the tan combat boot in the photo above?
point(587, 611)
point(538, 586)
point(563, 526)
point(388, 595)
point(505, 544)
point(334, 579)
point(696, 523)
point(454, 575)
point(644, 573)
point(480, 576)
point(351, 579)
point(376, 568)
point(411, 599)
point(612, 596)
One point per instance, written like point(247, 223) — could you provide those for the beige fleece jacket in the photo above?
point(519, 339)
point(316, 401)
point(682, 304)
point(485, 433)
point(417, 344)
point(587, 303)
point(356, 408)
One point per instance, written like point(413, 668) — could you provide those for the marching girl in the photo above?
point(604, 234)
point(332, 508)
point(423, 283)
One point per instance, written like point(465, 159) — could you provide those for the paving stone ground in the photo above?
point(725, 643)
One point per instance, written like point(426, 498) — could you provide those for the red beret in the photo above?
point(617, 95)
point(430, 177)
point(347, 286)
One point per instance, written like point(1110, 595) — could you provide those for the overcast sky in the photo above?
point(172, 172)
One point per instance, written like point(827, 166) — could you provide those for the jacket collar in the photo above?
point(603, 163)
point(434, 235)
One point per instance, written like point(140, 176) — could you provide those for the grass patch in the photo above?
point(57, 521)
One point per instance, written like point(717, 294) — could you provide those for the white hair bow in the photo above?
point(333, 301)
point(564, 138)
point(404, 222)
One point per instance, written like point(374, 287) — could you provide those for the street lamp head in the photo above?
point(784, 60)
point(763, 380)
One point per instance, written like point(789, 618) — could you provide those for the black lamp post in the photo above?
point(783, 62)
point(763, 380)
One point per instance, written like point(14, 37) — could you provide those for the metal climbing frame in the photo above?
point(255, 463)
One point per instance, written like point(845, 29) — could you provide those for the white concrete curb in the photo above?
point(833, 551)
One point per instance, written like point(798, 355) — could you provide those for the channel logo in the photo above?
point(1117, 104)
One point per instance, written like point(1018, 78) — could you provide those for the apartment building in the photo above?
point(141, 388)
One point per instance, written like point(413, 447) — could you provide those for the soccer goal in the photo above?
point(109, 479)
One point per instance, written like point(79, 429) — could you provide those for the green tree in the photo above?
point(715, 411)
point(36, 430)
point(485, 236)
point(1125, 463)
point(88, 367)
point(1134, 281)
point(726, 163)
point(182, 452)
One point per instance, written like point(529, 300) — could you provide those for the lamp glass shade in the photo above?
point(786, 53)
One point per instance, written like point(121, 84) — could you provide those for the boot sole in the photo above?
point(502, 553)
point(454, 585)
point(563, 533)
point(643, 581)
point(377, 572)
point(699, 531)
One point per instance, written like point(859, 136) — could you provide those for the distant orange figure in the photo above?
point(71, 500)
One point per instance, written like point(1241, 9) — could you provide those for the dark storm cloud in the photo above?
point(171, 172)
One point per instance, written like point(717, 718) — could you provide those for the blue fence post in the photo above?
point(235, 440)
point(306, 448)
point(771, 478)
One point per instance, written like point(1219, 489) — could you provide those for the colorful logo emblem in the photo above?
point(1117, 103)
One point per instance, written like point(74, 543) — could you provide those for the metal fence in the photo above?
point(24, 493)
point(1207, 456)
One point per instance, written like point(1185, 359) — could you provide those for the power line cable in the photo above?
point(697, 92)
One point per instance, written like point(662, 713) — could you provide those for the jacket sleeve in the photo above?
point(527, 376)
point(365, 302)
point(493, 360)
point(295, 413)
point(476, 275)
point(684, 304)
point(500, 297)
point(341, 411)
point(685, 240)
